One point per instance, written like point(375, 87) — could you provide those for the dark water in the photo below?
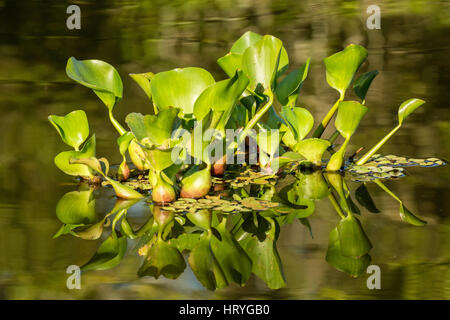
point(410, 51)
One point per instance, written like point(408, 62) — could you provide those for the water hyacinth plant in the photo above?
point(223, 165)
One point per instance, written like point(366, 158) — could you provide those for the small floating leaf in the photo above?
point(73, 127)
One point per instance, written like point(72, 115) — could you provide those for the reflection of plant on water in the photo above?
point(233, 232)
point(230, 232)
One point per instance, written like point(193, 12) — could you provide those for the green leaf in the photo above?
point(341, 67)
point(264, 61)
point(162, 259)
point(352, 266)
point(124, 142)
point(179, 88)
point(156, 128)
point(288, 89)
point(362, 84)
point(98, 76)
point(62, 160)
point(353, 240)
point(311, 186)
point(299, 120)
point(77, 207)
point(143, 80)
point(221, 96)
point(349, 116)
point(200, 218)
point(235, 263)
point(409, 217)
point(408, 107)
point(205, 266)
point(73, 127)
point(108, 255)
point(312, 149)
point(232, 61)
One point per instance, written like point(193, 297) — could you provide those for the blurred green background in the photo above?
point(410, 50)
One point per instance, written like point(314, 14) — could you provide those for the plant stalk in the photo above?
point(375, 148)
point(322, 126)
point(259, 114)
point(116, 123)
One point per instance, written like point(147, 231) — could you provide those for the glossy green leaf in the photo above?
point(143, 80)
point(408, 107)
point(179, 88)
point(312, 149)
point(349, 116)
point(62, 160)
point(362, 84)
point(221, 96)
point(299, 120)
point(108, 255)
point(341, 67)
point(263, 61)
point(73, 127)
point(311, 186)
point(354, 242)
point(232, 61)
point(156, 128)
point(201, 218)
point(162, 259)
point(98, 76)
point(288, 89)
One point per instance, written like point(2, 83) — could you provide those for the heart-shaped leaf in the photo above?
point(341, 67)
point(312, 149)
point(179, 88)
point(288, 89)
point(349, 116)
point(221, 96)
point(232, 61)
point(73, 127)
point(156, 128)
point(62, 160)
point(263, 61)
point(299, 120)
point(99, 76)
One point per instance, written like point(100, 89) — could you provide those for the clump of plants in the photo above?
point(183, 142)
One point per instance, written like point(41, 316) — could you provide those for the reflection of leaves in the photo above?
point(409, 217)
point(353, 240)
point(205, 265)
point(108, 255)
point(363, 197)
point(352, 266)
point(233, 260)
point(263, 252)
point(162, 259)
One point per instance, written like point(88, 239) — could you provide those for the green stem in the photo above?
point(375, 148)
point(333, 137)
point(336, 205)
point(259, 114)
point(322, 126)
point(389, 192)
point(116, 123)
point(117, 218)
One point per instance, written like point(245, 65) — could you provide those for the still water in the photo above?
point(410, 51)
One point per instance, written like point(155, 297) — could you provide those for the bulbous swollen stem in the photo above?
point(162, 191)
point(198, 184)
